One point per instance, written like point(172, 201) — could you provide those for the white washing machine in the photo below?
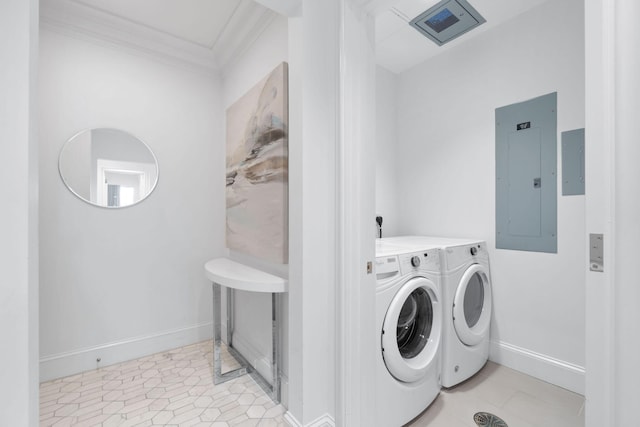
point(409, 324)
point(467, 304)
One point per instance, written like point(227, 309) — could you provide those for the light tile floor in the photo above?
point(520, 400)
point(174, 388)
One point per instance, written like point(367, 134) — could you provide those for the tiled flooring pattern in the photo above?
point(520, 400)
point(174, 388)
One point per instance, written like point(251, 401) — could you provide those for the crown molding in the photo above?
point(243, 29)
point(289, 8)
point(374, 7)
point(81, 20)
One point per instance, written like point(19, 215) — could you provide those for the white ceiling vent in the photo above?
point(447, 20)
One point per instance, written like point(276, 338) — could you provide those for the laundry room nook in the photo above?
point(376, 213)
point(438, 173)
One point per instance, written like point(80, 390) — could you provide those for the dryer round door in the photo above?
point(411, 330)
point(472, 306)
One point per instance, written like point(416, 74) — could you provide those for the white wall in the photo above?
point(252, 328)
point(79, 174)
point(18, 217)
point(386, 148)
point(446, 177)
point(118, 284)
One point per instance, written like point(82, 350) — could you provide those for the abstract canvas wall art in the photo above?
point(257, 169)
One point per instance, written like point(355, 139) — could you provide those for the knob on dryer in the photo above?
point(415, 261)
point(474, 250)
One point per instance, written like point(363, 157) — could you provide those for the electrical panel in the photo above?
point(573, 162)
point(526, 175)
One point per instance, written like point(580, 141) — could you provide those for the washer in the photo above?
point(467, 303)
point(409, 326)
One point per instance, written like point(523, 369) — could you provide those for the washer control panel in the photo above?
point(428, 261)
point(387, 267)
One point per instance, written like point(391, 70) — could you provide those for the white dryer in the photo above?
point(409, 326)
point(467, 304)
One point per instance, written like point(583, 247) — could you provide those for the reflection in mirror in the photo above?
point(108, 167)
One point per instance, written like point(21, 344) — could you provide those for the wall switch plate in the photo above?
point(596, 252)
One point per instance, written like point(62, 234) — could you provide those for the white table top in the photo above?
point(232, 274)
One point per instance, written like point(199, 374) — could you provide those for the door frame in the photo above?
point(600, 331)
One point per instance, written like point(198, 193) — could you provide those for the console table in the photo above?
point(234, 275)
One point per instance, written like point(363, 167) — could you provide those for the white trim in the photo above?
point(259, 361)
point(83, 21)
point(546, 368)
point(600, 200)
point(284, 390)
point(81, 360)
point(291, 420)
point(288, 8)
point(165, 58)
point(240, 48)
point(355, 209)
point(323, 421)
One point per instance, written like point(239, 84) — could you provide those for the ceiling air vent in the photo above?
point(447, 20)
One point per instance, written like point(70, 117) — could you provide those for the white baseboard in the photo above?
point(558, 372)
point(262, 364)
point(291, 420)
point(85, 359)
point(325, 420)
point(284, 391)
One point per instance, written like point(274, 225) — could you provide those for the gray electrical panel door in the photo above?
point(526, 185)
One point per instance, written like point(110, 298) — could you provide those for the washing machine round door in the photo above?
point(411, 330)
point(472, 306)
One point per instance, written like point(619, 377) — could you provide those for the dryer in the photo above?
point(409, 327)
point(467, 304)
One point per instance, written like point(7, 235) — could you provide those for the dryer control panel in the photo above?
point(457, 256)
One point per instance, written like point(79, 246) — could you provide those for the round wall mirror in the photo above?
point(108, 167)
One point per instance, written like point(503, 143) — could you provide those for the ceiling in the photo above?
point(211, 33)
point(400, 47)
